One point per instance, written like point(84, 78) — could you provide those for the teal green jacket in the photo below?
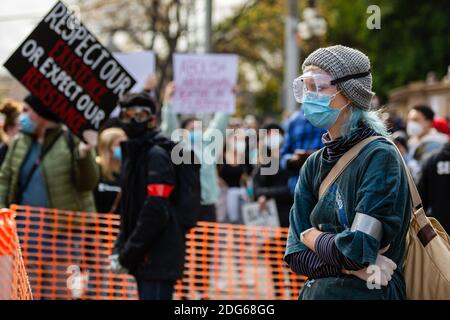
point(375, 184)
point(208, 171)
point(69, 179)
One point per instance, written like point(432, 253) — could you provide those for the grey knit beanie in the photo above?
point(351, 65)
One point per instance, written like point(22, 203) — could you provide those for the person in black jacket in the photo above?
point(434, 184)
point(150, 245)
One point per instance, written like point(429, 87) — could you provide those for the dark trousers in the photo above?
point(155, 290)
point(208, 213)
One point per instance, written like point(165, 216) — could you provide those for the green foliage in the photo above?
point(256, 34)
point(414, 38)
point(266, 100)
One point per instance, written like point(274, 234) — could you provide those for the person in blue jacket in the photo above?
point(350, 243)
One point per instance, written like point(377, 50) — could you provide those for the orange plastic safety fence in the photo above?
point(66, 257)
point(13, 278)
point(226, 261)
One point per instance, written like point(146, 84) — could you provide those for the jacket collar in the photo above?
point(49, 136)
point(135, 146)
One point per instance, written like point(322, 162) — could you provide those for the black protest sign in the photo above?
point(72, 74)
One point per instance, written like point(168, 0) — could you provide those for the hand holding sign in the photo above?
point(91, 137)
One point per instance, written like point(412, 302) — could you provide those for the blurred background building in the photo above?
point(432, 91)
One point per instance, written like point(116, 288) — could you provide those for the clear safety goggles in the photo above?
point(139, 114)
point(317, 83)
point(311, 82)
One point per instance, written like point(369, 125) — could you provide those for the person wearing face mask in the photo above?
point(108, 192)
point(151, 242)
point(274, 186)
point(362, 219)
point(234, 172)
point(46, 166)
point(423, 138)
point(200, 140)
point(9, 125)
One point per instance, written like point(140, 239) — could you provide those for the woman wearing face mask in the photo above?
point(423, 138)
point(46, 166)
point(272, 186)
point(234, 173)
point(107, 194)
point(362, 219)
point(9, 115)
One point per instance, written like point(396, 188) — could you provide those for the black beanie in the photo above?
point(141, 99)
point(40, 109)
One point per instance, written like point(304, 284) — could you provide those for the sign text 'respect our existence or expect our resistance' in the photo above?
point(72, 74)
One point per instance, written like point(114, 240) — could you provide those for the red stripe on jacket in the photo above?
point(159, 190)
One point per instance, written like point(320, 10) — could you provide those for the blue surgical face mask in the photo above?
point(317, 110)
point(117, 153)
point(27, 125)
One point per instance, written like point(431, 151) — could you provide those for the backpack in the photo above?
point(186, 197)
point(427, 249)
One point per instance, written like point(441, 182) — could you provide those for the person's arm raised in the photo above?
point(169, 119)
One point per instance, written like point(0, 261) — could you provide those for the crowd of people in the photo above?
point(130, 172)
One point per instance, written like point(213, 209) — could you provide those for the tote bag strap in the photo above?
point(342, 164)
point(350, 155)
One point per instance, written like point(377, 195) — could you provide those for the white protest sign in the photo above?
point(139, 64)
point(254, 216)
point(204, 83)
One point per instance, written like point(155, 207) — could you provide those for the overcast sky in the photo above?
point(18, 18)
